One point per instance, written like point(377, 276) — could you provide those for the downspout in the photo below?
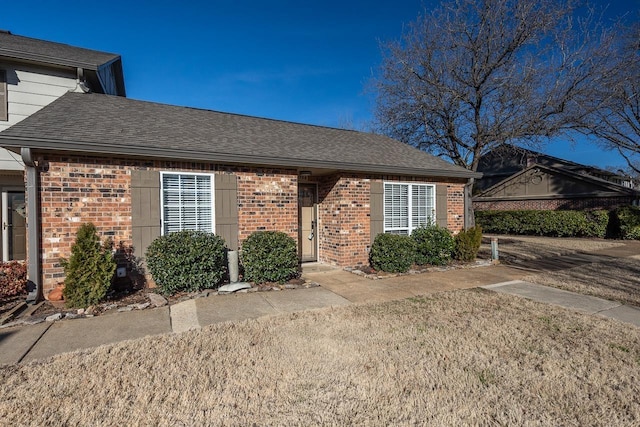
point(34, 278)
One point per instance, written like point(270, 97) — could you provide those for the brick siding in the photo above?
point(80, 189)
point(76, 190)
point(606, 203)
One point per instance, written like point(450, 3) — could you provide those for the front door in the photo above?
point(307, 222)
point(14, 230)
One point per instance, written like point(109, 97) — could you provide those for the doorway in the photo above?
point(14, 226)
point(308, 222)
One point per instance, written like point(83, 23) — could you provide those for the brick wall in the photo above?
point(344, 213)
point(554, 204)
point(75, 190)
point(455, 207)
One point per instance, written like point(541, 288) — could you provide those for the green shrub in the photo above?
point(545, 223)
point(13, 279)
point(468, 244)
point(392, 253)
point(629, 222)
point(269, 256)
point(434, 245)
point(186, 261)
point(89, 270)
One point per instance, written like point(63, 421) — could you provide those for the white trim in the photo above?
point(212, 189)
point(411, 223)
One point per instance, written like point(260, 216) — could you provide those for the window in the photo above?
point(4, 110)
point(187, 202)
point(408, 206)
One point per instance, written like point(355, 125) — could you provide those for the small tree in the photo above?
point(89, 270)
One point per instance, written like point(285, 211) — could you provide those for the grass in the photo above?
point(469, 357)
point(618, 279)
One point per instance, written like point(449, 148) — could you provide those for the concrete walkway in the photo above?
point(27, 343)
point(32, 342)
point(583, 303)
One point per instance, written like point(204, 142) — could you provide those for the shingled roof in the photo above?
point(113, 125)
point(26, 48)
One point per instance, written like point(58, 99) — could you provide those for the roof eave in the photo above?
point(26, 56)
point(137, 151)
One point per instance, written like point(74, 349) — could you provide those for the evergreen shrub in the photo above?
point(393, 253)
point(629, 222)
point(434, 245)
point(467, 244)
point(89, 270)
point(269, 256)
point(186, 261)
point(545, 223)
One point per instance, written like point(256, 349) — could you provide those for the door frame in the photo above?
point(317, 228)
point(4, 217)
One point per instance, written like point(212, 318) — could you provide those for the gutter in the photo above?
point(34, 274)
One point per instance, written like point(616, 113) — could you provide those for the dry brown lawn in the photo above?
point(523, 248)
point(469, 357)
point(617, 279)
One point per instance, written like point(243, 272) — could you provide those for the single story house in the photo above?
point(140, 169)
point(541, 187)
point(520, 179)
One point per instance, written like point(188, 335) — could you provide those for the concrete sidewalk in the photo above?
point(338, 287)
point(583, 303)
point(32, 342)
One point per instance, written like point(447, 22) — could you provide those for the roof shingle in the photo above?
point(27, 48)
point(115, 125)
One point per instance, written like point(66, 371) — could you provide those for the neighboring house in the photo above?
point(138, 170)
point(546, 188)
point(500, 164)
point(34, 73)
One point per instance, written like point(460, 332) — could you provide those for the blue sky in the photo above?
point(291, 60)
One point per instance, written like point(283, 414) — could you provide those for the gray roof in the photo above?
point(97, 123)
point(26, 48)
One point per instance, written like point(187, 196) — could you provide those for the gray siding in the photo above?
point(441, 205)
point(226, 209)
point(376, 205)
point(145, 209)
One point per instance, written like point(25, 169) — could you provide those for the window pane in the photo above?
point(396, 206)
point(187, 202)
point(408, 206)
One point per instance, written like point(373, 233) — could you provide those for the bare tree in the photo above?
point(615, 105)
point(473, 75)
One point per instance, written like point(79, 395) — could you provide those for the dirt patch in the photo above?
point(456, 358)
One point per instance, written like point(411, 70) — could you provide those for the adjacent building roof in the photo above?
point(112, 125)
point(568, 184)
point(507, 160)
point(14, 46)
point(42, 51)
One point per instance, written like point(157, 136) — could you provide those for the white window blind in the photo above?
point(187, 202)
point(408, 206)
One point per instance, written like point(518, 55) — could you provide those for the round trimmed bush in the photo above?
point(269, 256)
point(186, 261)
point(434, 245)
point(393, 253)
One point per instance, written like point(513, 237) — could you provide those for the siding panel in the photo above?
point(145, 209)
point(226, 209)
point(377, 209)
point(441, 205)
